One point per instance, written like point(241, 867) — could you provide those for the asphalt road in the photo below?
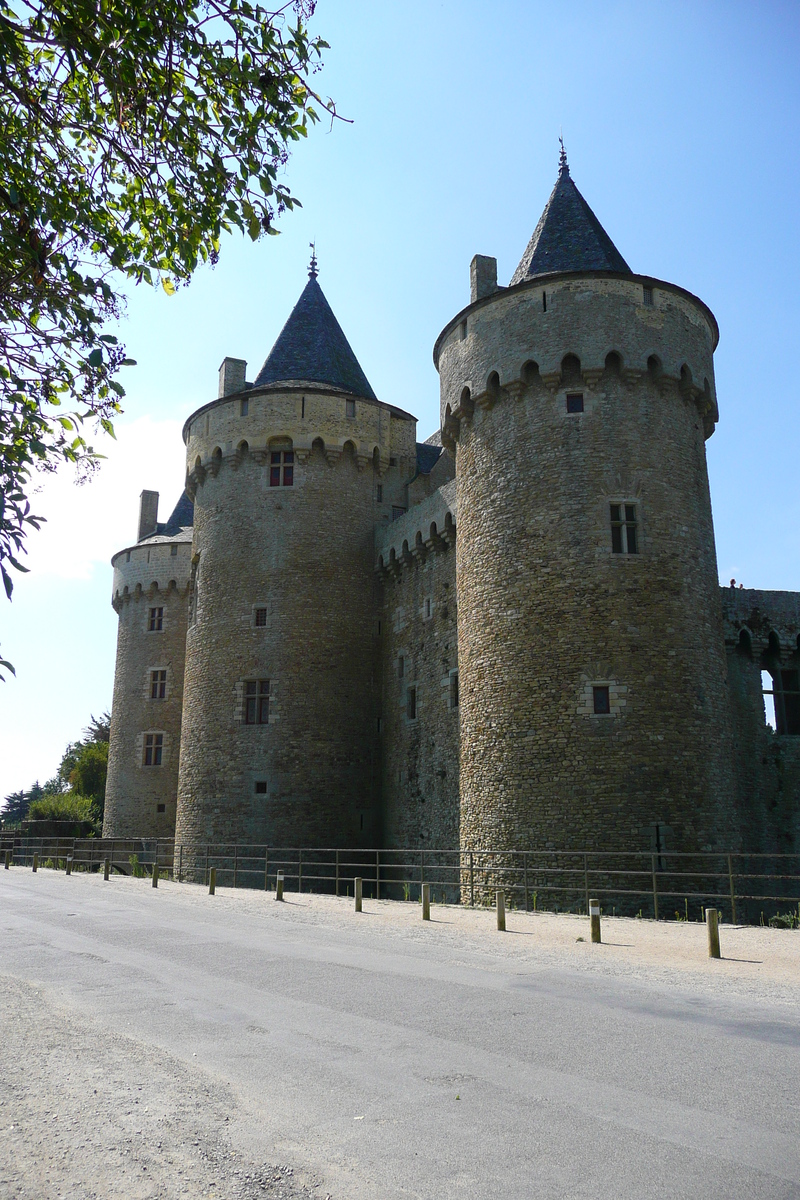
point(369, 1060)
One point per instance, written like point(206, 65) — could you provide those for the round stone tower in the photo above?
point(150, 594)
point(592, 670)
point(289, 477)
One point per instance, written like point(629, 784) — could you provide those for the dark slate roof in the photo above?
point(182, 516)
point(427, 457)
point(312, 348)
point(569, 237)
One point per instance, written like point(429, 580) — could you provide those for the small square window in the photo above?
point(161, 808)
point(647, 296)
point(349, 408)
point(602, 701)
point(261, 787)
point(260, 617)
point(397, 512)
point(392, 462)
point(153, 749)
point(256, 702)
point(575, 402)
point(158, 685)
point(245, 407)
point(155, 622)
point(411, 703)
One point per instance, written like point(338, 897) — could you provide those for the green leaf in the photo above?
point(95, 359)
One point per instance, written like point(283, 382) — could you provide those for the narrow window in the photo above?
point(624, 527)
point(349, 408)
point(281, 468)
point(411, 703)
point(260, 618)
point(261, 787)
point(463, 330)
point(392, 462)
point(575, 402)
point(127, 556)
point(454, 689)
point(397, 512)
point(158, 685)
point(156, 620)
point(768, 692)
point(256, 702)
point(790, 695)
point(401, 666)
point(380, 628)
point(379, 493)
point(148, 556)
point(427, 608)
point(379, 724)
point(173, 551)
point(153, 749)
point(544, 301)
point(602, 702)
point(647, 296)
point(303, 408)
point(245, 407)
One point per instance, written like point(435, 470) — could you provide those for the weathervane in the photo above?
point(563, 165)
point(312, 268)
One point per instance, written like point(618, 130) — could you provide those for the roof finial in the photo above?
point(312, 266)
point(563, 165)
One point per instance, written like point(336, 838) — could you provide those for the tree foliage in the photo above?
point(133, 134)
point(81, 776)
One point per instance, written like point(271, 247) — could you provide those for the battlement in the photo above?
point(752, 617)
point(159, 564)
point(427, 528)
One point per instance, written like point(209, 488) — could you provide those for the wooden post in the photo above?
point(357, 892)
point(733, 889)
point(500, 905)
point(594, 920)
point(68, 867)
point(655, 887)
point(337, 872)
point(35, 863)
point(426, 902)
point(212, 881)
point(106, 868)
point(8, 859)
point(279, 886)
point(155, 874)
point(712, 921)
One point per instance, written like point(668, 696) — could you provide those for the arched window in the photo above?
point(613, 363)
point(780, 687)
point(571, 369)
point(530, 372)
point(493, 385)
point(653, 366)
point(745, 642)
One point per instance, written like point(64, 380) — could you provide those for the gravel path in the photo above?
point(164, 1043)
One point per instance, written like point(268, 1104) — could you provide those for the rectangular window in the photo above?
point(647, 296)
point(624, 524)
point(256, 702)
point(349, 408)
point(127, 556)
point(303, 409)
point(245, 407)
point(155, 621)
point(158, 685)
point(379, 493)
point(281, 468)
point(544, 301)
point(153, 749)
point(397, 512)
point(161, 808)
point(454, 689)
point(411, 703)
point(575, 402)
point(173, 551)
point(602, 701)
point(261, 787)
point(260, 617)
point(401, 666)
point(463, 330)
point(392, 462)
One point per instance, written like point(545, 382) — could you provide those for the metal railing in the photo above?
point(665, 884)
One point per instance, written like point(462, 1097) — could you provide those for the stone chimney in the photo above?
point(148, 514)
point(232, 376)
point(482, 277)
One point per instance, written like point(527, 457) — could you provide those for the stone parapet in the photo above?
point(425, 528)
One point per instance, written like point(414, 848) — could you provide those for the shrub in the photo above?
point(66, 807)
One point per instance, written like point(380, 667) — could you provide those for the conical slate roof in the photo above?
point(569, 236)
point(312, 348)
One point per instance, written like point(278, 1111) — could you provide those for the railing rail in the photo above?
point(562, 880)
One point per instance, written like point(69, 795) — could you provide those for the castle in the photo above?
point(511, 635)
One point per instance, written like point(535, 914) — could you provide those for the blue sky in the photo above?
point(682, 125)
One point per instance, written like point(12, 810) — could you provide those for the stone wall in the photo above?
point(419, 651)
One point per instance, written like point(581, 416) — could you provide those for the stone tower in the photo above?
point(289, 476)
point(151, 580)
point(594, 709)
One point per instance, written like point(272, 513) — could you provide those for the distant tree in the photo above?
point(88, 776)
point(133, 133)
point(99, 728)
point(15, 807)
point(81, 772)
